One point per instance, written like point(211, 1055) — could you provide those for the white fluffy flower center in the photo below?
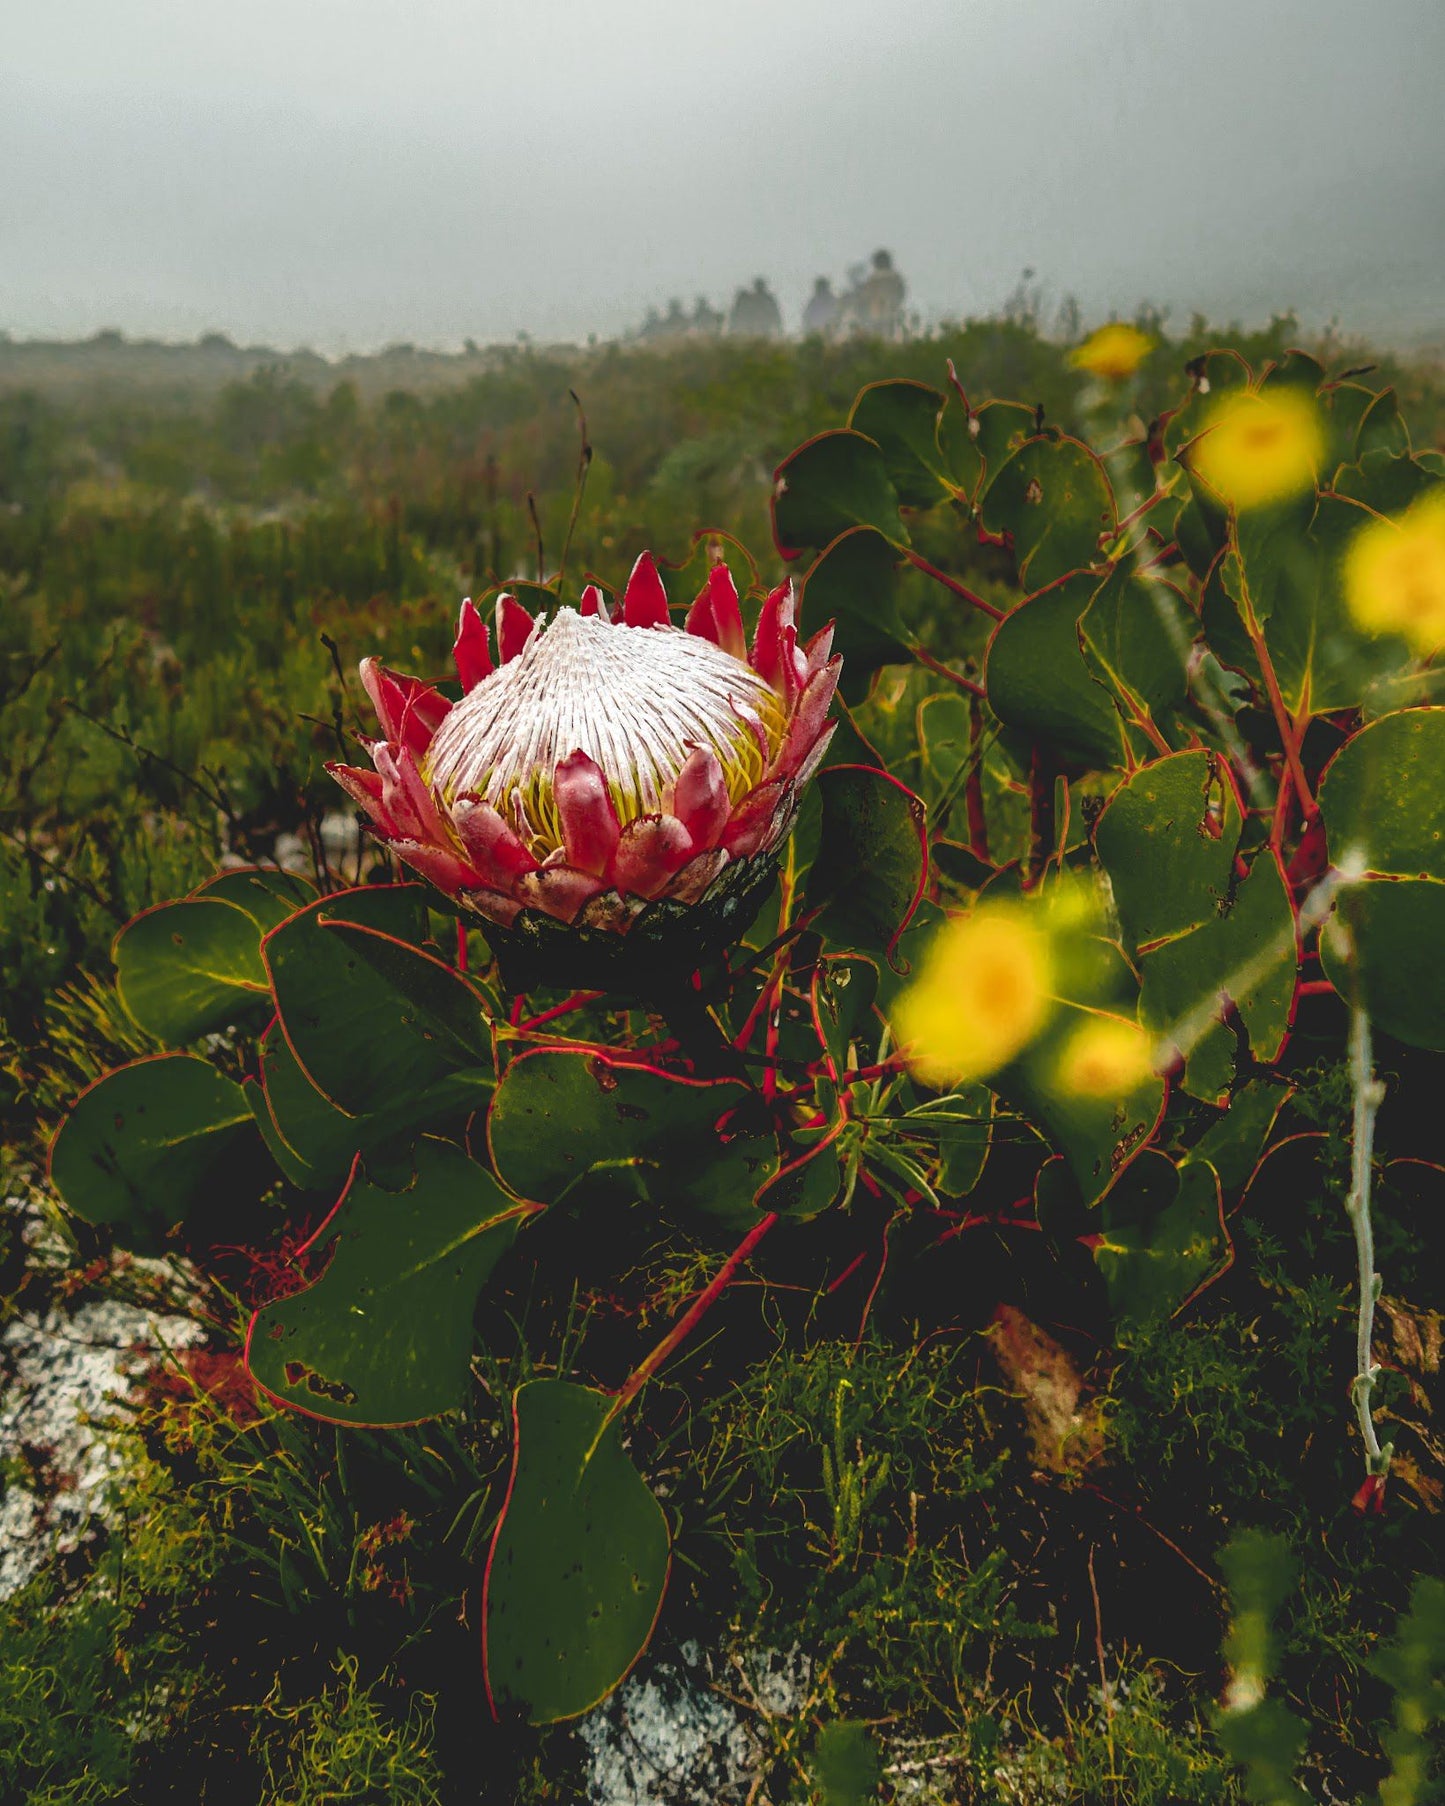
point(638, 700)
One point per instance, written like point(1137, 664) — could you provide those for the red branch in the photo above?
point(577, 1001)
point(920, 563)
point(973, 788)
point(692, 1316)
point(957, 677)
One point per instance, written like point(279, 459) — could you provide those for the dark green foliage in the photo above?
point(384, 1334)
point(982, 1399)
point(846, 1765)
point(578, 1565)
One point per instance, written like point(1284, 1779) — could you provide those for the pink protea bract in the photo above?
point(601, 765)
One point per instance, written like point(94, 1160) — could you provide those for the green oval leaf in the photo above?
point(1054, 501)
point(579, 1561)
point(847, 1768)
point(1098, 1136)
point(149, 1142)
point(854, 584)
point(1248, 956)
point(267, 894)
point(1167, 838)
point(974, 443)
point(1383, 796)
point(191, 968)
point(1382, 428)
point(1138, 635)
point(872, 858)
point(1384, 948)
point(1288, 577)
point(562, 1116)
point(314, 1143)
point(372, 1018)
point(829, 484)
point(901, 418)
point(1039, 682)
point(1162, 1239)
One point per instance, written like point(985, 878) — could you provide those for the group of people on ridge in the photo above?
point(872, 303)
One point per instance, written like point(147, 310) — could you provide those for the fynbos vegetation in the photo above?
point(864, 1102)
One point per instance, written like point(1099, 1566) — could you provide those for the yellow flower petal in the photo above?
point(1260, 447)
point(1395, 575)
point(1106, 1057)
point(981, 995)
point(1114, 352)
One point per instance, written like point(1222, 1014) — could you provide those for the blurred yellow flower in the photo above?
point(1260, 447)
point(1395, 574)
point(982, 993)
point(1106, 1057)
point(1113, 352)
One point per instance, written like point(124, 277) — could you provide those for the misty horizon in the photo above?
point(343, 178)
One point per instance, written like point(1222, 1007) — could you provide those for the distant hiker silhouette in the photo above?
point(823, 309)
point(874, 304)
point(755, 313)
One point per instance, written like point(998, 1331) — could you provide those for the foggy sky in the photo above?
point(347, 173)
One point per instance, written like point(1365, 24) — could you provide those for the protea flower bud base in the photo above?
point(665, 944)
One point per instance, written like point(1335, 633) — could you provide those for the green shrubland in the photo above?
point(1041, 1527)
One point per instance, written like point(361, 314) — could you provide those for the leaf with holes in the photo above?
point(384, 1334)
point(974, 443)
point(1167, 839)
point(811, 1182)
point(578, 1563)
point(1054, 501)
point(844, 991)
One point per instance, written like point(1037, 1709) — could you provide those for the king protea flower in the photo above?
point(601, 764)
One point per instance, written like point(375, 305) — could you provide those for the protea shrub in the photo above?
point(611, 792)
